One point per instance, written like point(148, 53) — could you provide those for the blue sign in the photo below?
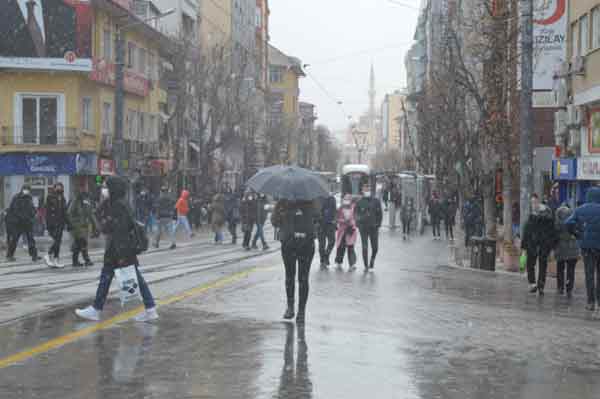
point(47, 164)
point(564, 169)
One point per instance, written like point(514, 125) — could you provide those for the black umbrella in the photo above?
point(289, 182)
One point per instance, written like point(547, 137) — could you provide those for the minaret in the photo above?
point(372, 94)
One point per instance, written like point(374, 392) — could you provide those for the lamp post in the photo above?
point(360, 141)
point(120, 86)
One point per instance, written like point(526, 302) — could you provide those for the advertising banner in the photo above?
point(564, 169)
point(37, 164)
point(46, 34)
point(550, 41)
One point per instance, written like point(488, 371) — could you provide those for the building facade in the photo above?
point(57, 106)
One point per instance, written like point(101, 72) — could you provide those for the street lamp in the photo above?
point(361, 141)
point(120, 85)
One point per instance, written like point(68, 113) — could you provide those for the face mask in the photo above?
point(347, 203)
point(105, 193)
point(26, 192)
point(367, 194)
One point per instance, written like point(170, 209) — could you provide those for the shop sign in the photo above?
point(564, 169)
point(588, 169)
point(37, 164)
point(105, 72)
point(106, 167)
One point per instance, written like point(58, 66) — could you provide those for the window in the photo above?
point(107, 119)
point(141, 61)
point(575, 36)
point(258, 17)
point(141, 127)
point(107, 44)
point(39, 117)
point(152, 67)
point(595, 28)
point(583, 35)
point(131, 50)
point(276, 74)
point(86, 114)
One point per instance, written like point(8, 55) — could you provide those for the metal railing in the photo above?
point(49, 135)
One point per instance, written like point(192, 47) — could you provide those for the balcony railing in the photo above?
point(25, 136)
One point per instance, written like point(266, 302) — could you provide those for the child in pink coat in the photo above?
point(347, 233)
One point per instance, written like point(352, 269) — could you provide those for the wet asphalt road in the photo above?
point(414, 328)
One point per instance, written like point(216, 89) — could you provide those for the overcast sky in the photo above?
point(340, 39)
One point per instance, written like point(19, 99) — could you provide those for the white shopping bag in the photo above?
point(129, 287)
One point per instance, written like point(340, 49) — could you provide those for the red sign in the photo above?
point(106, 167)
point(104, 72)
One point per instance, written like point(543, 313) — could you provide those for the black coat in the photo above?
point(117, 223)
point(56, 211)
point(21, 214)
point(293, 218)
point(164, 206)
point(539, 233)
point(368, 213)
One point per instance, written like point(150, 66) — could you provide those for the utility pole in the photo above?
point(117, 149)
point(526, 108)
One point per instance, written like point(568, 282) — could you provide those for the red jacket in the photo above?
point(182, 205)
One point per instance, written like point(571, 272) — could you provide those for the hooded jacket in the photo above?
point(368, 213)
point(21, 213)
point(117, 223)
point(183, 205)
point(567, 247)
point(164, 206)
point(56, 211)
point(585, 221)
point(539, 233)
point(81, 216)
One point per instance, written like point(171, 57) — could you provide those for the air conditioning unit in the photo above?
point(578, 66)
point(573, 116)
point(560, 124)
point(561, 93)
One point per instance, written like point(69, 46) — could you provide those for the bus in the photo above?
point(354, 178)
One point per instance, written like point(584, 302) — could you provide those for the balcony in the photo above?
point(52, 139)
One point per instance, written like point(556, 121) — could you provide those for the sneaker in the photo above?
point(540, 291)
point(89, 263)
point(147, 316)
point(289, 313)
point(89, 313)
point(255, 247)
point(265, 247)
point(173, 246)
point(352, 268)
point(36, 259)
point(533, 288)
point(77, 264)
point(49, 261)
point(57, 264)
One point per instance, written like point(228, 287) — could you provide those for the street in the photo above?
point(414, 328)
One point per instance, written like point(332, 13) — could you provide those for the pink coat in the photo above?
point(343, 225)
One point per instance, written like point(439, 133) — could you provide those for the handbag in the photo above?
point(523, 262)
point(129, 286)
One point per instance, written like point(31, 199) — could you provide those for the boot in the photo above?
point(289, 312)
point(76, 261)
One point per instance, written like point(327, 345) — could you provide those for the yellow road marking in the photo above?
point(71, 337)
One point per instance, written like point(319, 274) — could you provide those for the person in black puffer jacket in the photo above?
point(369, 216)
point(327, 228)
point(19, 221)
point(164, 209)
point(296, 221)
point(261, 218)
point(117, 223)
point(539, 239)
point(56, 220)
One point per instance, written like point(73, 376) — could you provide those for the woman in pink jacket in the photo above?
point(347, 233)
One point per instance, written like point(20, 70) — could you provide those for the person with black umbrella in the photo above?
point(295, 216)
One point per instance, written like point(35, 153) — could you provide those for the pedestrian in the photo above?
point(248, 217)
point(20, 218)
point(516, 219)
point(296, 221)
point(232, 212)
point(144, 205)
point(368, 215)
point(386, 195)
point(566, 252)
point(217, 215)
point(347, 233)
point(117, 223)
point(472, 220)
point(182, 208)
point(539, 239)
point(56, 220)
point(585, 225)
point(396, 203)
point(164, 209)
point(407, 214)
point(435, 216)
point(327, 227)
point(449, 216)
point(80, 215)
point(262, 213)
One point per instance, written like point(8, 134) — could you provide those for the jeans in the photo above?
point(232, 227)
point(219, 236)
point(13, 241)
point(298, 252)
point(186, 225)
point(569, 265)
point(326, 242)
point(406, 227)
point(591, 258)
point(247, 235)
point(56, 233)
point(532, 258)
point(164, 225)
point(449, 227)
point(260, 233)
point(369, 234)
point(436, 228)
point(80, 244)
point(106, 277)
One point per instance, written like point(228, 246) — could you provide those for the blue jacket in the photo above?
point(585, 221)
